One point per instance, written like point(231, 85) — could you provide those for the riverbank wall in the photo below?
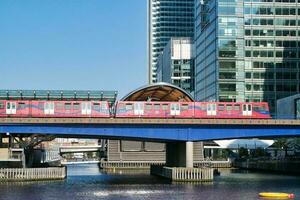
point(282, 166)
point(32, 174)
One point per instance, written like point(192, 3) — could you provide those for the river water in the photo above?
point(88, 183)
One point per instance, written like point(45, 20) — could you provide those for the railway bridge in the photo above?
point(178, 134)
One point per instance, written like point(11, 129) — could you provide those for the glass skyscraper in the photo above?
point(247, 50)
point(166, 19)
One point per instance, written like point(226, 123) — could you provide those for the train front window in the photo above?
point(256, 108)
point(263, 108)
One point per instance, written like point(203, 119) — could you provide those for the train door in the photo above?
point(49, 108)
point(11, 108)
point(174, 109)
point(138, 108)
point(211, 109)
point(86, 108)
point(247, 109)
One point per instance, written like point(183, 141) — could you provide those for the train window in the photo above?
point(68, 106)
point(96, 106)
point(76, 106)
point(129, 107)
point(156, 107)
point(120, 106)
point(256, 108)
point(41, 105)
point(236, 107)
point(8, 105)
point(184, 107)
point(21, 105)
point(103, 105)
point(221, 107)
point(59, 106)
point(228, 107)
point(148, 107)
point(263, 108)
point(1, 105)
point(164, 107)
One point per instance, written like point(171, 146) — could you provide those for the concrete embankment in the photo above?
point(33, 174)
point(282, 166)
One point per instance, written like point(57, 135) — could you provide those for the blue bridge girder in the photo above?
point(153, 129)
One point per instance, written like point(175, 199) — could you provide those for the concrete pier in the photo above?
point(179, 154)
point(183, 174)
point(180, 163)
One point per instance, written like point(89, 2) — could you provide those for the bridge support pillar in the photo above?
point(179, 154)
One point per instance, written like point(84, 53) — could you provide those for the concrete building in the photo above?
point(175, 64)
point(166, 19)
point(289, 107)
point(246, 50)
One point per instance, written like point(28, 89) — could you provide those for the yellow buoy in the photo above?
point(276, 195)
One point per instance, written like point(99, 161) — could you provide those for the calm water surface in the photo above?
point(88, 183)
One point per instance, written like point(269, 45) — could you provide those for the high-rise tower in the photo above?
point(247, 50)
point(166, 19)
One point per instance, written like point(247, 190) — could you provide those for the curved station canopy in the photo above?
point(159, 92)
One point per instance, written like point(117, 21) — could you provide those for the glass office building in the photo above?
point(247, 50)
point(175, 64)
point(166, 19)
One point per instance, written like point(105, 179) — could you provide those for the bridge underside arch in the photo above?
point(159, 92)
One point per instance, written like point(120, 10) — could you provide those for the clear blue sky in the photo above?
point(73, 44)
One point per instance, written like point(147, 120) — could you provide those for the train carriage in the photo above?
point(133, 109)
point(45, 108)
point(231, 110)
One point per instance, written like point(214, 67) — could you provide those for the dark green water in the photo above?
point(88, 183)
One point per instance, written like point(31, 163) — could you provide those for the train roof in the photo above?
point(99, 95)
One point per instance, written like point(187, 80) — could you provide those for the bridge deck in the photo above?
point(175, 121)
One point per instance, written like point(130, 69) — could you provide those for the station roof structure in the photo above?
point(59, 95)
point(159, 92)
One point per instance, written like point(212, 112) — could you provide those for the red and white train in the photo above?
point(133, 109)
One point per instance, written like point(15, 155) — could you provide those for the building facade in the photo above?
point(175, 64)
point(166, 19)
point(289, 107)
point(247, 50)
